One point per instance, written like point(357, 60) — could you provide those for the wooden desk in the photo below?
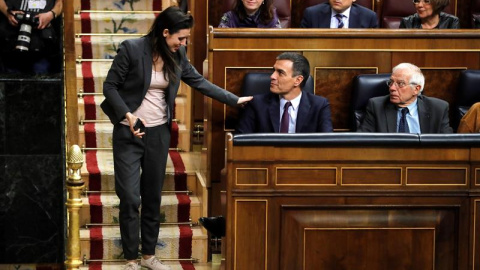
point(336, 57)
point(336, 204)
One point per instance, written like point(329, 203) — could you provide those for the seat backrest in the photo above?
point(468, 93)
point(394, 10)
point(366, 86)
point(475, 13)
point(284, 10)
point(257, 83)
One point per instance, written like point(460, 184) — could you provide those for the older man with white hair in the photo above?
point(405, 109)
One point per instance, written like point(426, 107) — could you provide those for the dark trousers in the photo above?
point(139, 166)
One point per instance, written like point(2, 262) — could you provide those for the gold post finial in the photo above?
point(75, 185)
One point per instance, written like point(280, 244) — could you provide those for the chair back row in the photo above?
point(366, 86)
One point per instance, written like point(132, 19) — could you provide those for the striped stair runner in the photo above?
point(101, 25)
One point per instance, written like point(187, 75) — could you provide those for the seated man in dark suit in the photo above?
point(287, 108)
point(405, 110)
point(339, 14)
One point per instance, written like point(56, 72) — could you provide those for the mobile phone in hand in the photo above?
point(139, 125)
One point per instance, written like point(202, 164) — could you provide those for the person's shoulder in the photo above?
point(316, 98)
point(448, 17)
point(433, 100)
point(363, 9)
point(135, 41)
point(263, 98)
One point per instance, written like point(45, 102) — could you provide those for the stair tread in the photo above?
point(175, 265)
point(166, 232)
point(191, 161)
point(111, 200)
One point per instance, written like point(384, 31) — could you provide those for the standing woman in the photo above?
point(251, 14)
point(430, 16)
point(141, 85)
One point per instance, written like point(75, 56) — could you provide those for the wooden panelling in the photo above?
point(252, 176)
point(477, 176)
point(250, 234)
point(360, 248)
point(367, 238)
point(411, 210)
point(298, 176)
point(437, 176)
point(476, 234)
point(335, 84)
point(372, 176)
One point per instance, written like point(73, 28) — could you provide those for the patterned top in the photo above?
point(231, 20)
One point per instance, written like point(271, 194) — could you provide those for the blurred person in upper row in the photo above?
point(339, 14)
point(430, 15)
point(251, 14)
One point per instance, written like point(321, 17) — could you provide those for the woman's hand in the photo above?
point(131, 121)
point(242, 101)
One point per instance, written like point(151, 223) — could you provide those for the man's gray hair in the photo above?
point(416, 75)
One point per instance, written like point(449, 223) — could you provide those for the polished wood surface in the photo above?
point(336, 57)
point(352, 207)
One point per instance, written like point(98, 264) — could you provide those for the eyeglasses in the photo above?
point(398, 84)
point(418, 1)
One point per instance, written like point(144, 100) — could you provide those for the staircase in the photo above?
point(100, 26)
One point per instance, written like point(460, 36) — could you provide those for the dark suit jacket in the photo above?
point(129, 78)
point(262, 115)
point(381, 115)
point(319, 16)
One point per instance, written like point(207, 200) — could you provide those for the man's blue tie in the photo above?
point(285, 118)
point(403, 124)
point(340, 20)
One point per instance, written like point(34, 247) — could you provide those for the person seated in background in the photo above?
point(429, 16)
point(287, 108)
point(251, 14)
point(339, 14)
point(28, 41)
point(405, 110)
point(470, 122)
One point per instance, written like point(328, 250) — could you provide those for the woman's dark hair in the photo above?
point(439, 5)
point(265, 9)
point(173, 19)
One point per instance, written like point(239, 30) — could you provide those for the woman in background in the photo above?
point(251, 14)
point(430, 16)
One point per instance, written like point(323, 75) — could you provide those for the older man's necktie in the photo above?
point(285, 118)
point(403, 124)
point(340, 20)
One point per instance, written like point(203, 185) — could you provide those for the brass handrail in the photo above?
point(75, 186)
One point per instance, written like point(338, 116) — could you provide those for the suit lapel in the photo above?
point(325, 17)
point(423, 115)
point(391, 115)
point(303, 112)
point(354, 20)
point(274, 112)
